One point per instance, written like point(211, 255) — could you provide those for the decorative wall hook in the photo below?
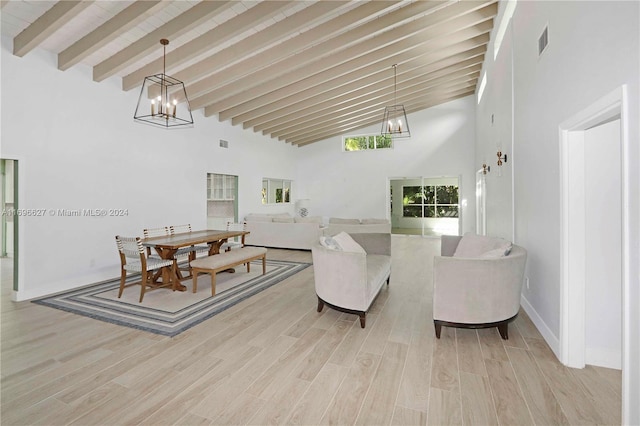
point(501, 158)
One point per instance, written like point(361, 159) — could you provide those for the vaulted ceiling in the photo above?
point(299, 71)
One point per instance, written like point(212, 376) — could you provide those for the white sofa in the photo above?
point(349, 270)
point(477, 283)
point(282, 231)
point(357, 226)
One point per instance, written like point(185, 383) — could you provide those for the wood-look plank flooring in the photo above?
point(272, 359)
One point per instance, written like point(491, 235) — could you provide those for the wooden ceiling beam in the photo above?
point(236, 60)
point(374, 120)
point(150, 43)
point(353, 101)
point(465, 39)
point(107, 32)
point(263, 62)
point(376, 106)
point(47, 24)
point(220, 34)
point(232, 100)
point(271, 121)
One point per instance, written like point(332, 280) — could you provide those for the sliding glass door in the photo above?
point(424, 206)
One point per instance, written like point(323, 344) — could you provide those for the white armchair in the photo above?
point(349, 270)
point(477, 286)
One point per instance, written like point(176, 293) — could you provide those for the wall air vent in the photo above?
point(543, 41)
point(224, 144)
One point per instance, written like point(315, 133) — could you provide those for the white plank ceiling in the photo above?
point(299, 71)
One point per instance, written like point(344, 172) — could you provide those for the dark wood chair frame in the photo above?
point(503, 326)
point(361, 314)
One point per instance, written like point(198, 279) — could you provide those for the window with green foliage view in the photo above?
point(430, 201)
point(360, 143)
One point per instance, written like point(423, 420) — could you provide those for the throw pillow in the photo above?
point(348, 244)
point(330, 243)
point(472, 245)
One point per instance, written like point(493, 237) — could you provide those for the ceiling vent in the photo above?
point(224, 144)
point(543, 41)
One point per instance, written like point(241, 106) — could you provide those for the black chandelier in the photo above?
point(394, 122)
point(163, 99)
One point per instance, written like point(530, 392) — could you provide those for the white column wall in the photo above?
point(355, 184)
point(79, 148)
point(593, 50)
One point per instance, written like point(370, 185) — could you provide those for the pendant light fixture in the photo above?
point(163, 99)
point(394, 122)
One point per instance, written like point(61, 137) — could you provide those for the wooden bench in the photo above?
point(225, 260)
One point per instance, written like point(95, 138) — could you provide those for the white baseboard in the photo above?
point(101, 274)
point(552, 340)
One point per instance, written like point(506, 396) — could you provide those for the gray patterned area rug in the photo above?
point(163, 311)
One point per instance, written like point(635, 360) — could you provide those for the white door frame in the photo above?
point(572, 268)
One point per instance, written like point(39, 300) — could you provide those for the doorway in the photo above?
point(424, 206)
point(9, 222)
point(595, 307)
point(222, 200)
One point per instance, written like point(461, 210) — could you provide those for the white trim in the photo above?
point(542, 327)
point(572, 354)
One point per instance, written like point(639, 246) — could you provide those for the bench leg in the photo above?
point(194, 273)
point(264, 264)
point(248, 267)
point(213, 283)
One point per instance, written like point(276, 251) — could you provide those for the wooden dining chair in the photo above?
point(133, 258)
point(231, 244)
point(182, 255)
point(155, 232)
point(192, 250)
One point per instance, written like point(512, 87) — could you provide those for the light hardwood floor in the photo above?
point(273, 359)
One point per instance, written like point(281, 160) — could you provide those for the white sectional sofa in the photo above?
point(281, 230)
point(357, 226)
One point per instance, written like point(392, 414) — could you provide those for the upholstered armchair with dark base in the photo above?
point(477, 283)
point(350, 270)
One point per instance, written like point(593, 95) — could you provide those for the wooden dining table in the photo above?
point(167, 246)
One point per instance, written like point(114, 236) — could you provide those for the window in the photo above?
point(430, 201)
point(361, 143)
point(276, 191)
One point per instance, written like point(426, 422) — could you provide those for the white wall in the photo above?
point(355, 184)
point(79, 148)
point(593, 49)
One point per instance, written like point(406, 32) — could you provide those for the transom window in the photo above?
point(365, 142)
point(430, 201)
